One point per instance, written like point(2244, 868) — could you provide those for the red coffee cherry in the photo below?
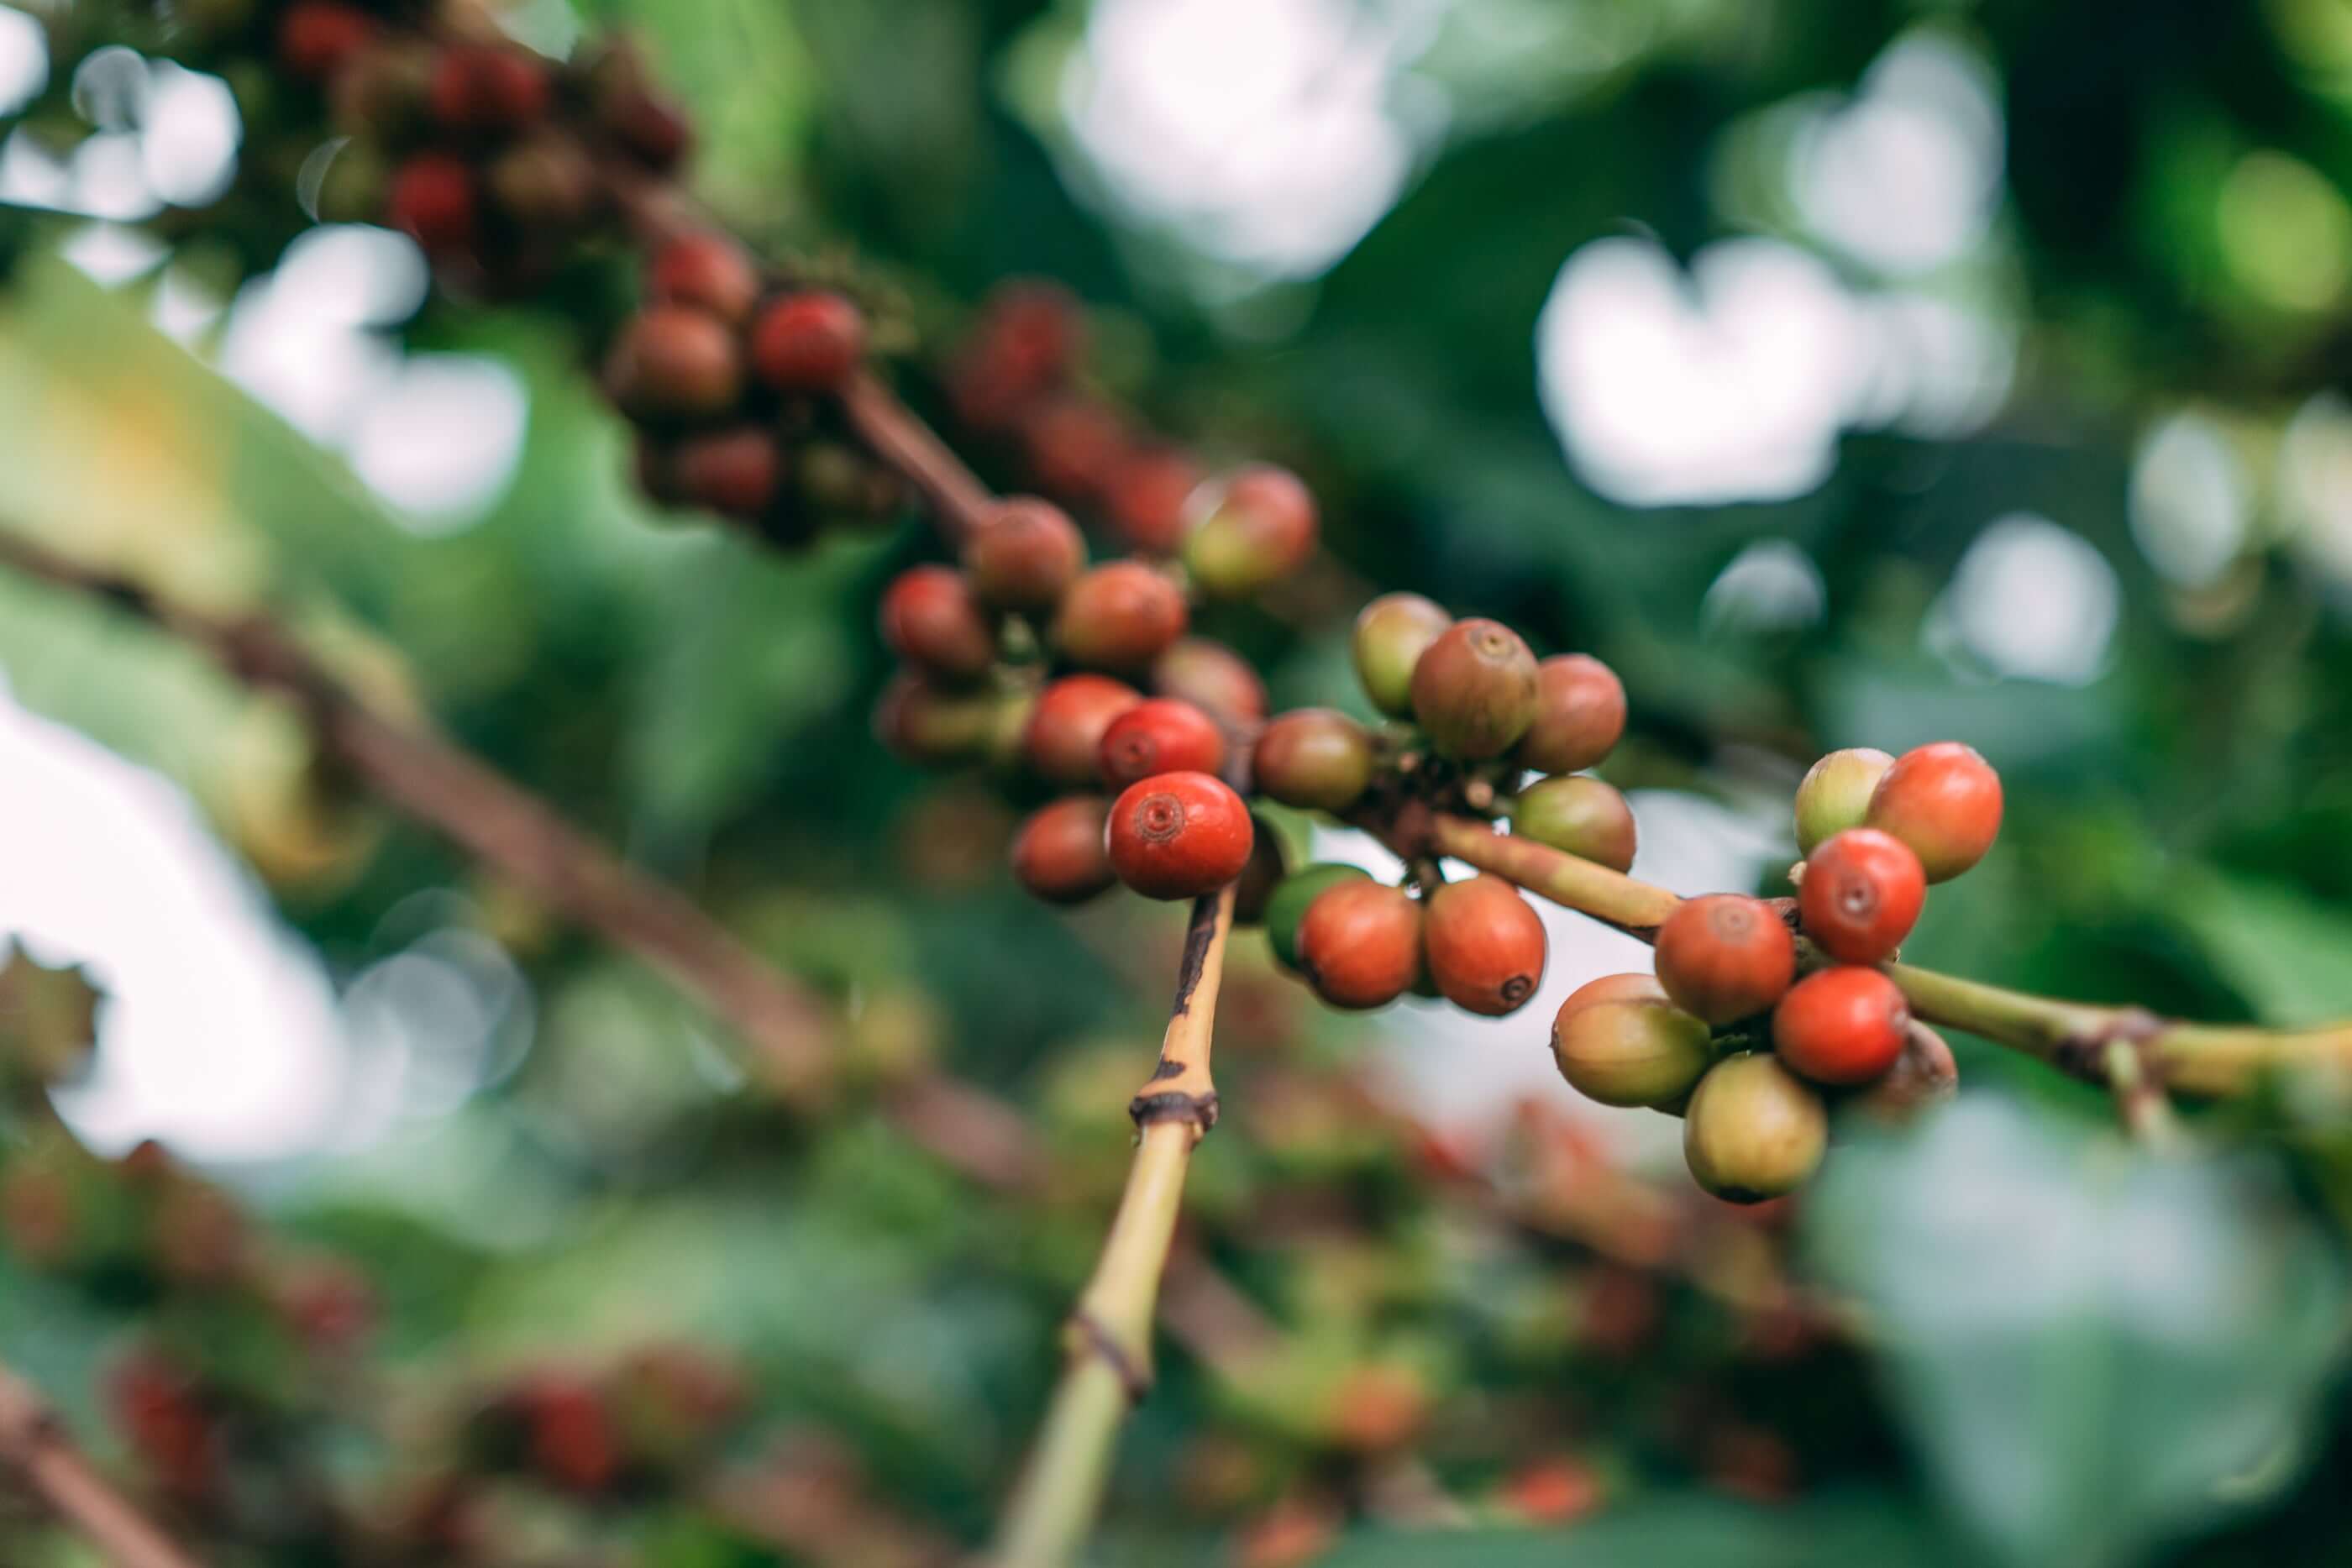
point(1359, 942)
point(1860, 894)
point(1753, 1131)
point(1063, 739)
point(1261, 527)
point(1059, 855)
point(1485, 947)
point(1212, 677)
point(1475, 691)
point(1580, 815)
point(1032, 331)
point(315, 37)
point(433, 202)
point(1179, 835)
point(735, 473)
point(808, 342)
point(1835, 794)
point(1392, 634)
point(1314, 758)
point(574, 1442)
point(1285, 911)
point(1025, 556)
point(1944, 800)
point(1120, 616)
point(648, 127)
point(486, 88)
point(1845, 1024)
point(1076, 448)
point(164, 1416)
point(709, 270)
point(671, 362)
point(1623, 1043)
point(1161, 735)
point(1580, 714)
point(1725, 957)
point(1148, 498)
point(931, 617)
point(933, 727)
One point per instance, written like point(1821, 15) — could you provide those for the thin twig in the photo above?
point(960, 503)
point(1109, 1335)
point(34, 1444)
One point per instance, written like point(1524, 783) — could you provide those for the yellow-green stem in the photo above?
point(2187, 1058)
point(1109, 1337)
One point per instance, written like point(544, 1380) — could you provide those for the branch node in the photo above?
point(1093, 1339)
point(1175, 1105)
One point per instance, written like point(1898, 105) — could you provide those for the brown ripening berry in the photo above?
point(1261, 527)
point(649, 127)
point(1359, 942)
point(433, 202)
point(1392, 634)
point(1212, 677)
point(488, 88)
point(1474, 690)
point(1060, 855)
point(1076, 448)
point(1314, 758)
point(1577, 814)
point(384, 91)
point(316, 37)
point(735, 473)
point(1120, 616)
point(1147, 495)
point(1268, 868)
point(672, 362)
point(1753, 1131)
point(1179, 835)
point(1485, 947)
point(709, 270)
point(545, 182)
point(1161, 735)
point(1580, 714)
point(808, 342)
point(1063, 737)
point(1725, 957)
point(1025, 556)
point(930, 617)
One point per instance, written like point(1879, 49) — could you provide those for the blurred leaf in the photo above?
point(1688, 1532)
point(2089, 1343)
point(2285, 951)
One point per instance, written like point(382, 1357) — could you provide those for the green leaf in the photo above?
point(2092, 1348)
point(1686, 1532)
point(2283, 951)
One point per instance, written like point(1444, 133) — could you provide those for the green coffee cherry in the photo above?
point(1392, 634)
point(1634, 1051)
point(1753, 1130)
point(1835, 795)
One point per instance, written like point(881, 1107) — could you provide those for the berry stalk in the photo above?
point(1109, 1331)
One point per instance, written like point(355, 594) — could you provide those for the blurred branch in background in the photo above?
point(35, 1445)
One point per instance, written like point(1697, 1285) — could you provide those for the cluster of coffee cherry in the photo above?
point(1027, 655)
point(497, 161)
point(1479, 715)
point(1726, 1034)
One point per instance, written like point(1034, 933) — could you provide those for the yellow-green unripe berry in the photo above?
point(1835, 795)
point(1630, 1052)
point(1392, 634)
point(1753, 1130)
point(1580, 815)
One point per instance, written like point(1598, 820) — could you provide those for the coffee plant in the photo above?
point(1402, 1337)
